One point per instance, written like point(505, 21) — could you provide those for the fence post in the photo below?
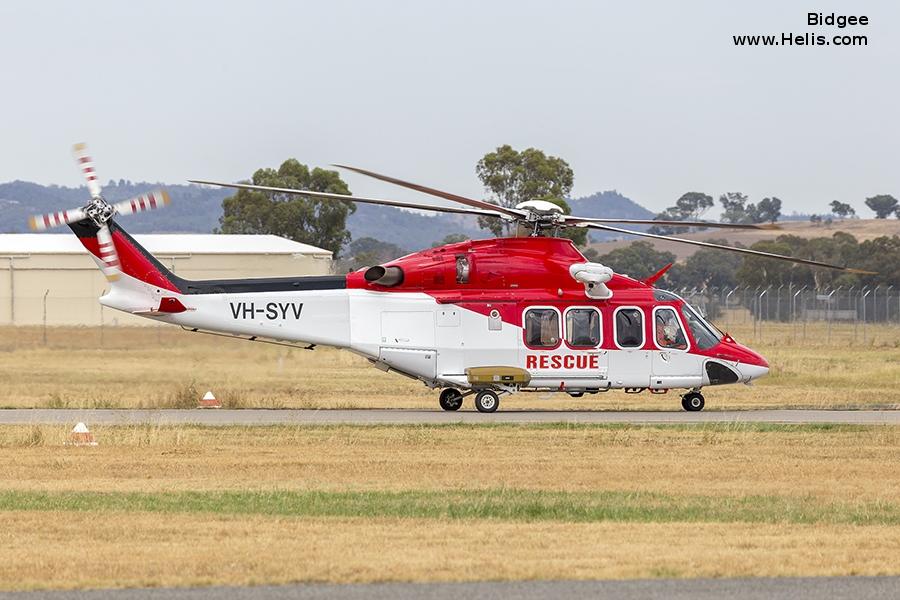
point(875, 303)
point(864, 315)
point(759, 312)
point(727, 297)
point(45, 316)
point(778, 303)
point(887, 305)
point(794, 311)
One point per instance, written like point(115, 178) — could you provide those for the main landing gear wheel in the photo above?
point(487, 401)
point(451, 399)
point(692, 401)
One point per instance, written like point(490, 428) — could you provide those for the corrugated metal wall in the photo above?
point(72, 283)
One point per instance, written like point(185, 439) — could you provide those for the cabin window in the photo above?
point(582, 328)
point(541, 328)
point(667, 330)
point(629, 328)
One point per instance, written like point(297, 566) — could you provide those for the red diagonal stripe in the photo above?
point(84, 159)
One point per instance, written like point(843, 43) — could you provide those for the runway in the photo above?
point(220, 417)
point(793, 588)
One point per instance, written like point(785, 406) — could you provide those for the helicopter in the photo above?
point(482, 318)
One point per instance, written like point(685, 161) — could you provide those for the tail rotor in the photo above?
point(100, 213)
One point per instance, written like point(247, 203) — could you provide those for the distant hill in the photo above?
point(609, 205)
point(406, 229)
point(194, 209)
point(861, 229)
point(197, 209)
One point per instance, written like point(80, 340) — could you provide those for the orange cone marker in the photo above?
point(81, 436)
point(209, 401)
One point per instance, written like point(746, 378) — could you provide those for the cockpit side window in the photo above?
point(705, 337)
point(667, 330)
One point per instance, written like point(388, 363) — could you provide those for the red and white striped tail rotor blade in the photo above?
point(86, 164)
point(149, 201)
point(108, 255)
point(44, 222)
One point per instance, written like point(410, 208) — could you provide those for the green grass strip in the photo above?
point(499, 504)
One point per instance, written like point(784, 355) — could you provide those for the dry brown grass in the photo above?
point(94, 548)
point(166, 367)
point(838, 463)
point(72, 550)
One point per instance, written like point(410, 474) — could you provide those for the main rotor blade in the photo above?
point(86, 163)
point(364, 200)
point(803, 261)
point(149, 201)
point(712, 224)
point(64, 217)
point(480, 204)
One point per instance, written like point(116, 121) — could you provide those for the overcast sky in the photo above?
point(648, 98)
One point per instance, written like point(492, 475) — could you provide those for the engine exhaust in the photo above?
point(386, 276)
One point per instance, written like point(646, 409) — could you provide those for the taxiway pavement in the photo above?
point(223, 417)
point(783, 588)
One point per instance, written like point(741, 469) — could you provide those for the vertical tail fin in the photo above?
point(135, 261)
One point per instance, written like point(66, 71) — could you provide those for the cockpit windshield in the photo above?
point(705, 334)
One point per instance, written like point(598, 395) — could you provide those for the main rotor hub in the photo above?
point(99, 211)
point(541, 216)
point(540, 209)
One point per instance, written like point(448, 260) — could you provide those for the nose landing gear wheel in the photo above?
point(487, 401)
point(692, 401)
point(451, 399)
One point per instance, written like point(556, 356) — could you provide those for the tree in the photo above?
point(579, 235)
point(707, 267)
point(734, 209)
point(367, 251)
point(638, 260)
point(692, 205)
point(452, 238)
point(689, 207)
point(882, 256)
point(737, 210)
point(759, 271)
point(312, 221)
point(670, 214)
point(882, 205)
point(842, 210)
point(767, 211)
point(512, 177)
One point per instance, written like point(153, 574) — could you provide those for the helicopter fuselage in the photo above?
point(505, 314)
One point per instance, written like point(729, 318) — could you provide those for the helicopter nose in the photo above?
point(751, 372)
point(752, 364)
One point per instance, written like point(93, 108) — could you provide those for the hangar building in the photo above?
point(33, 265)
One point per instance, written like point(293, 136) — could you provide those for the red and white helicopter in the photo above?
point(483, 318)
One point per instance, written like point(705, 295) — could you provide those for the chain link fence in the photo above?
point(854, 314)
